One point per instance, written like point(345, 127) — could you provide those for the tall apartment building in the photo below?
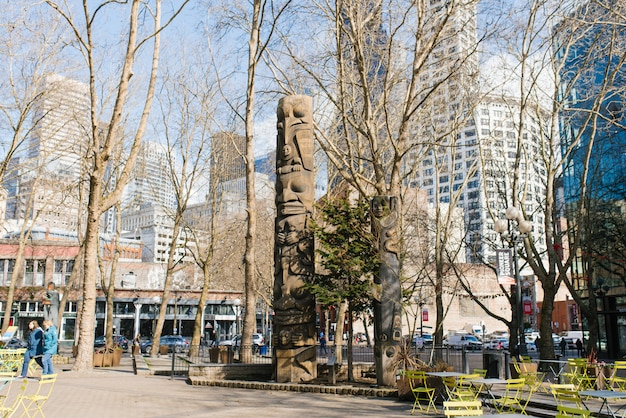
point(43, 182)
point(151, 180)
point(62, 126)
point(463, 128)
point(227, 163)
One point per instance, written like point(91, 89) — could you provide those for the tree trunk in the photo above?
point(341, 316)
point(350, 339)
point(84, 357)
point(249, 324)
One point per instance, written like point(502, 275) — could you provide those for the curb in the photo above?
point(294, 387)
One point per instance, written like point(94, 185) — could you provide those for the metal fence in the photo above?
point(458, 360)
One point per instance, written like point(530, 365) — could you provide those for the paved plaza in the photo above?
point(117, 392)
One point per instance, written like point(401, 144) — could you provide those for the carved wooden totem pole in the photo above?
point(387, 293)
point(294, 305)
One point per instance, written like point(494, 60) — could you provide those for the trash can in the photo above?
point(163, 349)
point(263, 350)
point(214, 354)
point(491, 363)
point(226, 355)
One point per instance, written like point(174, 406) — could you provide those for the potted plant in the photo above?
point(98, 358)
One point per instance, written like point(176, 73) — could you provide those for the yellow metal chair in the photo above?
point(462, 408)
point(566, 394)
point(11, 359)
point(419, 387)
point(481, 372)
point(32, 404)
point(534, 381)
point(617, 381)
point(578, 374)
point(569, 412)
point(512, 399)
point(32, 366)
point(465, 390)
point(8, 410)
point(449, 383)
point(6, 378)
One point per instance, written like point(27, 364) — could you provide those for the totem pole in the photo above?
point(294, 305)
point(387, 293)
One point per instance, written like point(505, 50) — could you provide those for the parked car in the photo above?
point(257, 340)
point(497, 344)
point(120, 340)
point(174, 343)
point(467, 341)
point(16, 343)
point(421, 341)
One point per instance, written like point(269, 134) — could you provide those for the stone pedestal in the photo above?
point(296, 365)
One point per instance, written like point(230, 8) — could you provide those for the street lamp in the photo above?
point(508, 232)
point(420, 302)
point(237, 307)
point(155, 301)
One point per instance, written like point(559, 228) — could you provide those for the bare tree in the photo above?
point(187, 113)
point(102, 142)
point(393, 89)
point(258, 24)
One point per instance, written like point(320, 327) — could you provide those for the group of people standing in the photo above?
point(43, 343)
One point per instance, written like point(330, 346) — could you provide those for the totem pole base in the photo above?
point(296, 365)
point(386, 364)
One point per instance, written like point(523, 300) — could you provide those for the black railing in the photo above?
point(457, 360)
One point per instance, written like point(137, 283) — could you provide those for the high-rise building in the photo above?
point(471, 144)
point(61, 126)
point(151, 180)
point(590, 49)
point(228, 150)
point(43, 183)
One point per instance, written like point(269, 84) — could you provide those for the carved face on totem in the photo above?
point(380, 206)
point(294, 187)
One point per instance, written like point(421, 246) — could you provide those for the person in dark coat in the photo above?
point(579, 348)
point(563, 345)
point(34, 348)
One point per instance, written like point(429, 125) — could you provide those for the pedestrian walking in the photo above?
point(579, 348)
point(563, 345)
point(34, 348)
point(322, 342)
point(50, 345)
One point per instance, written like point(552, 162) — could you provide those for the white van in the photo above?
point(467, 341)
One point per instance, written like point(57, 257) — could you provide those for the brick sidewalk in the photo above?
point(117, 392)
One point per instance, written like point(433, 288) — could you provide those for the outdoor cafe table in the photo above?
point(487, 384)
point(605, 396)
point(557, 367)
point(444, 393)
point(446, 374)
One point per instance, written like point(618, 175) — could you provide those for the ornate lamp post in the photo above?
point(155, 302)
point(420, 301)
point(237, 308)
point(514, 229)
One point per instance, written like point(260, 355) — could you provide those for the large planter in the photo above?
point(98, 359)
point(107, 360)
point(226, 355)
point(214, 353)
point(117, 357)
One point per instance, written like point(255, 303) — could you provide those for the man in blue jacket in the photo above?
point(35, 347)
